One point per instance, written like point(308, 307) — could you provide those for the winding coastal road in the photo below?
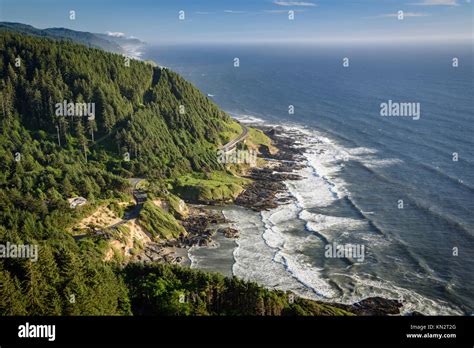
point(231, 144)
point(226, 147)
point(140, 197)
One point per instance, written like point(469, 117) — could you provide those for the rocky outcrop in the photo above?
point(200, 225)
point(372, 306)
point(261, 194)
point(229, 232)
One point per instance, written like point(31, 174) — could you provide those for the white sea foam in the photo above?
point(270, 254)
point(287, 250)
point(194, 259)
point(366, 286)
point(361, 151)
point(319, 187)
point(320, 224)
point(247, 119)
point(254, 258)
point(311, 191)
point(306, 273)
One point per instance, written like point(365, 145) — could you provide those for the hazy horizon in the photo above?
point(266, 21)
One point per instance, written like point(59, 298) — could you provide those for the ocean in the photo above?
point(403, 187)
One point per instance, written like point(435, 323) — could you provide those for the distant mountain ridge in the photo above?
point(115, 44)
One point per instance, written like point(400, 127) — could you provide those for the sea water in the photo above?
point(403, 187)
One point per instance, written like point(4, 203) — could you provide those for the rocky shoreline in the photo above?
point(262, 194)
point(203, 223)
point(268, 181)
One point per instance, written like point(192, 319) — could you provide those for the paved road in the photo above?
point(136, 192)
point(226, 147)
point(231, 144)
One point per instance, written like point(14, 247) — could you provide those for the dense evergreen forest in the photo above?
point(172, 290)
point(148, 122)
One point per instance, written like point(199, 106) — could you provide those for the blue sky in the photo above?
point(253, 20)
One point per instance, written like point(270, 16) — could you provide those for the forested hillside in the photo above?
point(101, 41)
point(172, 290)
point(147, 122)
point(137, 111)
point(153, 114)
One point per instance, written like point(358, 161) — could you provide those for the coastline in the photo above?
point(270, 179)
point(262, 223)
point(275, 231)
point(262, 252)
point(311, 281)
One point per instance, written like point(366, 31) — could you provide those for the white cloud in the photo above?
point(283, 11)
point(437, 3)
point(294, 3)
point(115, 34)
point(405, 14)
point(233, 11)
